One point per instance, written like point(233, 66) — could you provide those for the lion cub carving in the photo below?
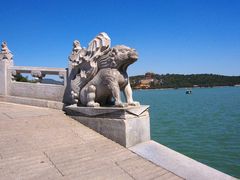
point(99, 73)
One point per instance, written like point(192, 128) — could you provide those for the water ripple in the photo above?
point(204, 125)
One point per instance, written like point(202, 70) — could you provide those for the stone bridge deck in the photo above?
point(41, 143)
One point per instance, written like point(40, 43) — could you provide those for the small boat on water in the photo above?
point(188, 91)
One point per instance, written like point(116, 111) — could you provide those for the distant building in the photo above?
point(149, 75)
point(146, 82)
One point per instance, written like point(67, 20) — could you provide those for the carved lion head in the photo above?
point(123, 56)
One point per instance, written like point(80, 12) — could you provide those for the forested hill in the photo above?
point(178, 80)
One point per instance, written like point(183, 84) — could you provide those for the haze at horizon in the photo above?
point(180, 37)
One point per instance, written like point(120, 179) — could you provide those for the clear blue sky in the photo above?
point(171, 36)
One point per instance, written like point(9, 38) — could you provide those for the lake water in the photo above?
point(204, 125)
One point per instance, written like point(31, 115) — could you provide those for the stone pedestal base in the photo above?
point(126, 126)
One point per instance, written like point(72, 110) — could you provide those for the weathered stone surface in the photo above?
point(33, 102)
point(114, 112)
point(177, 163)
point(42, 143)
point(99, 73)
point(127, 126)
point(49, 92)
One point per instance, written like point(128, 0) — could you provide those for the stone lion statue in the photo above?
point(99, 73)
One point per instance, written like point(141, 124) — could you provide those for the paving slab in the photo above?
point(43, 143)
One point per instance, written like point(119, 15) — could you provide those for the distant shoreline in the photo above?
point(185, 88)
point(175, 81)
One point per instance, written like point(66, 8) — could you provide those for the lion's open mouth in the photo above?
point(133, 56)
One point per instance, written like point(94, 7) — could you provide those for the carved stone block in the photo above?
point(127, 126)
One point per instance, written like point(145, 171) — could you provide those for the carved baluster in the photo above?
point(38, 75)
point(61, 75)
point(14, 74)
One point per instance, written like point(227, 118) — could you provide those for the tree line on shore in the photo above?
point(157, 81)
point(178, 80)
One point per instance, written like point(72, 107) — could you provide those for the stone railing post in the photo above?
point(6, 61)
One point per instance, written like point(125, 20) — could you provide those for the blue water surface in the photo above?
point(204, 125)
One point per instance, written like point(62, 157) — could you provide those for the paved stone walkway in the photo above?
point(41, 143)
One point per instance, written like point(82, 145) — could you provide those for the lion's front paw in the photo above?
point(134, 103)
point(119, 104)
point(93, 104)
